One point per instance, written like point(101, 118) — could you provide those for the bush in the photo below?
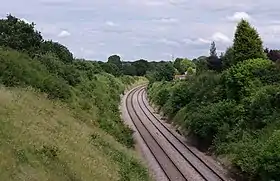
point(261, 106)
point(159, 92)
point(206, 122)
point(102, 96)
point(18, 69)
point(246, 76)
point(258, 157)
point(199, 90)
point(66, 71)
point(58, 50)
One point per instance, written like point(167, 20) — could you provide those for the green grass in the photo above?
point(41, 139)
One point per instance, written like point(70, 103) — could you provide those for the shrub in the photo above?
point(18, 69)
point(205, 121)
point(261, 106)
point(258, 157)
point(66, 71)
point(159, 92)
point(240, 79)
point(199, 90)
point(102, 96)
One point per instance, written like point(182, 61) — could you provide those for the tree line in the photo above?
point(231, 106)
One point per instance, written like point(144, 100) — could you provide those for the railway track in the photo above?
point(175, 158)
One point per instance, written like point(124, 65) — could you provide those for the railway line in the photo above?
point(174, 157)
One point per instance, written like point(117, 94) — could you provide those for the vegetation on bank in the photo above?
point(41, 139)
point(231, 105)
point(59, 115)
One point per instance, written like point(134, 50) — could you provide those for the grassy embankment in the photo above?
point(54, 126)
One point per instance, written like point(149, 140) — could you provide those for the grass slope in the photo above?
point(41, 139)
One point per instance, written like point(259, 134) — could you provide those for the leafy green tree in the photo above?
point(59, 50)
point(227, 58)
point(89, 68)
point(247, 43)
point(186, 64)
point(177, 65)
point(241, 79)
point(182, 64)
point(141, 67)
point(166, 72)
point(19, 35)
point(201, 64)
point(129, 69)
point(116, 60)
point(110, 68)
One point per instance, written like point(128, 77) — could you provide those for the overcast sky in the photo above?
point(150, 29)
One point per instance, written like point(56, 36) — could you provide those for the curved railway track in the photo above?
point(175, 158)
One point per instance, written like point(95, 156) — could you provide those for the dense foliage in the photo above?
point(19, 35)
point(86, 92)
point(27, 60)
point(234, 112)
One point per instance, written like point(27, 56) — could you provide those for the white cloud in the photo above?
point(63, 34)
point(237, 16)
point(110, 23)
point(217, 37)
point(202, 40)
point(198, 41)
point(220, 37)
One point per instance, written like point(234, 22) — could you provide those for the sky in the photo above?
point(149, 29)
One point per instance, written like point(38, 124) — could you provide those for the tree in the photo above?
point(19, 35)
point(182, 64)
point(247, 43)
point(129, 69)
point(227, 58)
point(116, 60)
point(213, 50)
point(177, 64)
point(186, 64)
point(59, 50)
point(110, 68)
point(141, 67)
point(201, 64)
point(166, 72)
point(213, 61)
point(273, 55)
